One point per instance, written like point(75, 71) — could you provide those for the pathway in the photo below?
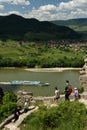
point(15, 126)
point(47, 101)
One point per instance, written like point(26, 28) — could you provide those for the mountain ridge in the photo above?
point(20, 28)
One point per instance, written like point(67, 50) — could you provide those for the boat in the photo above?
point(44, 84)
point(30, 83)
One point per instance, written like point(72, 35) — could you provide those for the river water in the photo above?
point(54, 78)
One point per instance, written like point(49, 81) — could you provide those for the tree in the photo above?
point(1, 94)
point(9, 97)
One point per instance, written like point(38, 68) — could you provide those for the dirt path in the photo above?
point(15, 126)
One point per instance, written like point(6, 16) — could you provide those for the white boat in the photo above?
point(30, 83)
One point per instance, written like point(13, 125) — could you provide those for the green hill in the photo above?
point(18, 28)
point(76, 24)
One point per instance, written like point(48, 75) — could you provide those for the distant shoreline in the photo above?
point(50, 69)
point(56, 69)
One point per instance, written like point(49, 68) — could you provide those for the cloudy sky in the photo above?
point(45, 9)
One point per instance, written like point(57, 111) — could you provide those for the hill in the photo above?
point(76, 24)
point(19, 28)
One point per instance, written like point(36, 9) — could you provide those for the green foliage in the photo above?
point(81, 89)
point(6, 110)
point(28, 54)
point(66, 116)
point(9, 97)
point(8, 105)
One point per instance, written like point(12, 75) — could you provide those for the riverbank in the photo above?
point(56, 69)
point(50, 69)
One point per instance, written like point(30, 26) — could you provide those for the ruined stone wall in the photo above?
point(83, 75)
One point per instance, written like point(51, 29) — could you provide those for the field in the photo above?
point(31, 54)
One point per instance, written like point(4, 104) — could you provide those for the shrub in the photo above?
point(81, 89)
point(9, 104)
point(9, 97)
point(66, 116)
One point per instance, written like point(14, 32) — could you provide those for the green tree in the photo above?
point(9, 97)
point(1, 95)
point(9, 104)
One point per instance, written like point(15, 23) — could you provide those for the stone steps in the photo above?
point(15, 126)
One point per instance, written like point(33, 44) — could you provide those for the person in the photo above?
point(66, 90)
point(16, 113)
point(26, 106)
point(76, 93)
point(57, 94)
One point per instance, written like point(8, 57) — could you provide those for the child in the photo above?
point(76, 93)
point(57, 94)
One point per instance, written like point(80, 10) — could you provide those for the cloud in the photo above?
point(42, 13)
point(64, 10)
point(72, 4)
point(14, 12)
point(16, 2)
point(47, 7)
point(1, 7)
point(21, 2)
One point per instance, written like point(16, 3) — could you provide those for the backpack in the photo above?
point(69, 90)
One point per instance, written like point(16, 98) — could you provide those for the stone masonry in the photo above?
point(83, 75)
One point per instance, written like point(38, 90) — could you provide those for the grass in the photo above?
point(12, 51)
point(78, 28)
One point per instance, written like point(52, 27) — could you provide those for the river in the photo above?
point(54, 78)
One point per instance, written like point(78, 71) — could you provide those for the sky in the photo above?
point(45, 10)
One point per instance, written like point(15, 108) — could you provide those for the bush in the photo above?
point(9, 104)
point(9, 97)
point(66, 116)
point(81, 89)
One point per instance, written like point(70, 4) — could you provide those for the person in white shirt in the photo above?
point(26, 106)
point(57, 94)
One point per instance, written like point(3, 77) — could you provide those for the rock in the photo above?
point(23, 95)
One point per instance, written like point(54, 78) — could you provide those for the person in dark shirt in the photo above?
point(66, 90)
point(17, 113)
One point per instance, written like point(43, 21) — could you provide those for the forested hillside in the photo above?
point(19, 28)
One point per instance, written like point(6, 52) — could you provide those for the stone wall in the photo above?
point(83, 75)
point(23, 95)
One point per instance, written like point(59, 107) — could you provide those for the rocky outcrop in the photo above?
point(83, 75)
point(23, 95)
